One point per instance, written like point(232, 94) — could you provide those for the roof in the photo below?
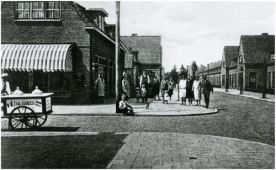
point(149, 47)
point(215, 65)
point(230, 52)
point(257, 48)
point(201, 68)
point(99, 10)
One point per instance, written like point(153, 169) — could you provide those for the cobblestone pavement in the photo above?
point(155, 142)
point(133, 150)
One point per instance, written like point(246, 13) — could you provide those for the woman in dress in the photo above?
point(197, 90)
point(170, 87)
point(100, 85)
point(155, 88)
point(189, 92)
point(182, 89)
point(126, 87)
point(163, 87)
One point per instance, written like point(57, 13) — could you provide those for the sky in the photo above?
point(191, 30)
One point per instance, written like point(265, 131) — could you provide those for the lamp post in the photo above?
point(227, 79)
point(264, 85)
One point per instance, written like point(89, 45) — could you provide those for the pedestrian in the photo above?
point(197, 90)
point(207, 88)
point(163, 87)
point(5, 89)
point(177, 87)
point(126, 87)
point(182, 89)
point(170, 87)
point(166, 97)
point(137, 94)
point(189, 92)
point(144, 79)
point(125, 108)
point(144, 93)
point(100, 86)
point(156, 88)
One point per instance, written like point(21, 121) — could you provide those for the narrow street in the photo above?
point(100, 140)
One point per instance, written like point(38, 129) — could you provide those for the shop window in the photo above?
point(36, 10)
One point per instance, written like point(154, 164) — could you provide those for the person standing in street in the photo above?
point(182, 89)
point(144, 79)
point(170, 87)
point(189, 92)
point(156, 88)
point(126, 87)
point(5, 89)
point(163, 87)
point(197, 90)
point(100, 86)
point(206, 89)
point(177, 87)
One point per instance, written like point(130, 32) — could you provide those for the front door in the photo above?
point(240, 80)
point(252, 80)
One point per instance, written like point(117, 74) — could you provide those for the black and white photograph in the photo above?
point(138, 84)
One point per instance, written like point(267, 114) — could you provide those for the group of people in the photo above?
point(187, 89)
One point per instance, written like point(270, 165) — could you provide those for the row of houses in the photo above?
point(61, 47)
point(249, 66)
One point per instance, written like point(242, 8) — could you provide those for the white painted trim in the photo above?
point(94, 28)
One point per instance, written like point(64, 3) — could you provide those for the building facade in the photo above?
point(213, 73)
point(58, 46)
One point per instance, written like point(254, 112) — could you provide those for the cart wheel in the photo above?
point(41, 120)
point(22, 115)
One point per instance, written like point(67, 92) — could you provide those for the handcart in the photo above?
point(27, 110)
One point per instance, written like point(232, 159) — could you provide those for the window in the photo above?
point(241, 59)
point(38, 10)
point(53, 10)
point(252, 80)
point(272, 57)
point(23, 10)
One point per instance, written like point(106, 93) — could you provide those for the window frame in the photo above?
point(31, 10)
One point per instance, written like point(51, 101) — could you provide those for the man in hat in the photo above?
point(207, 89)
point(5, 89)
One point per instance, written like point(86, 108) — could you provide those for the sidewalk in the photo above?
point(156, 108)
point(254, 95)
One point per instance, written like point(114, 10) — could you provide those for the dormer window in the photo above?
point(272, 57)
point(241, 59)
point(39, 10)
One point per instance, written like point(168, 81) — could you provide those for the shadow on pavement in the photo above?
point(60, 152)
point(44, 128)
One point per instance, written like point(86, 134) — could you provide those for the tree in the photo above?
point(194, 68)
point(183, 71)
point(174, 74)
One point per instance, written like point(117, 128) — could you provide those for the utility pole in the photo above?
point(265, 72)
point(118, 82)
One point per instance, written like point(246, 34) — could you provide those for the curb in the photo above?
point(242, 95)
point(136, 115)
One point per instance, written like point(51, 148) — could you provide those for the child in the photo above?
point(125, 107)
point(137, 91)
point(166, 97)
point(144, 92)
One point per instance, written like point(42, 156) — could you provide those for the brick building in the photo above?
point(229, 53)
point(213, 72)
point(150, 52)
point(59, 47)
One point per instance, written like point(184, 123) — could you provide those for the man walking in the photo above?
point(207, 89)
point(144, 79)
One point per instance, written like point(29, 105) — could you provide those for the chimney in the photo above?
point(134, 35)
point(264, 34)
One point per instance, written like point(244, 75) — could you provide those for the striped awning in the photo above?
point(31, 57)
